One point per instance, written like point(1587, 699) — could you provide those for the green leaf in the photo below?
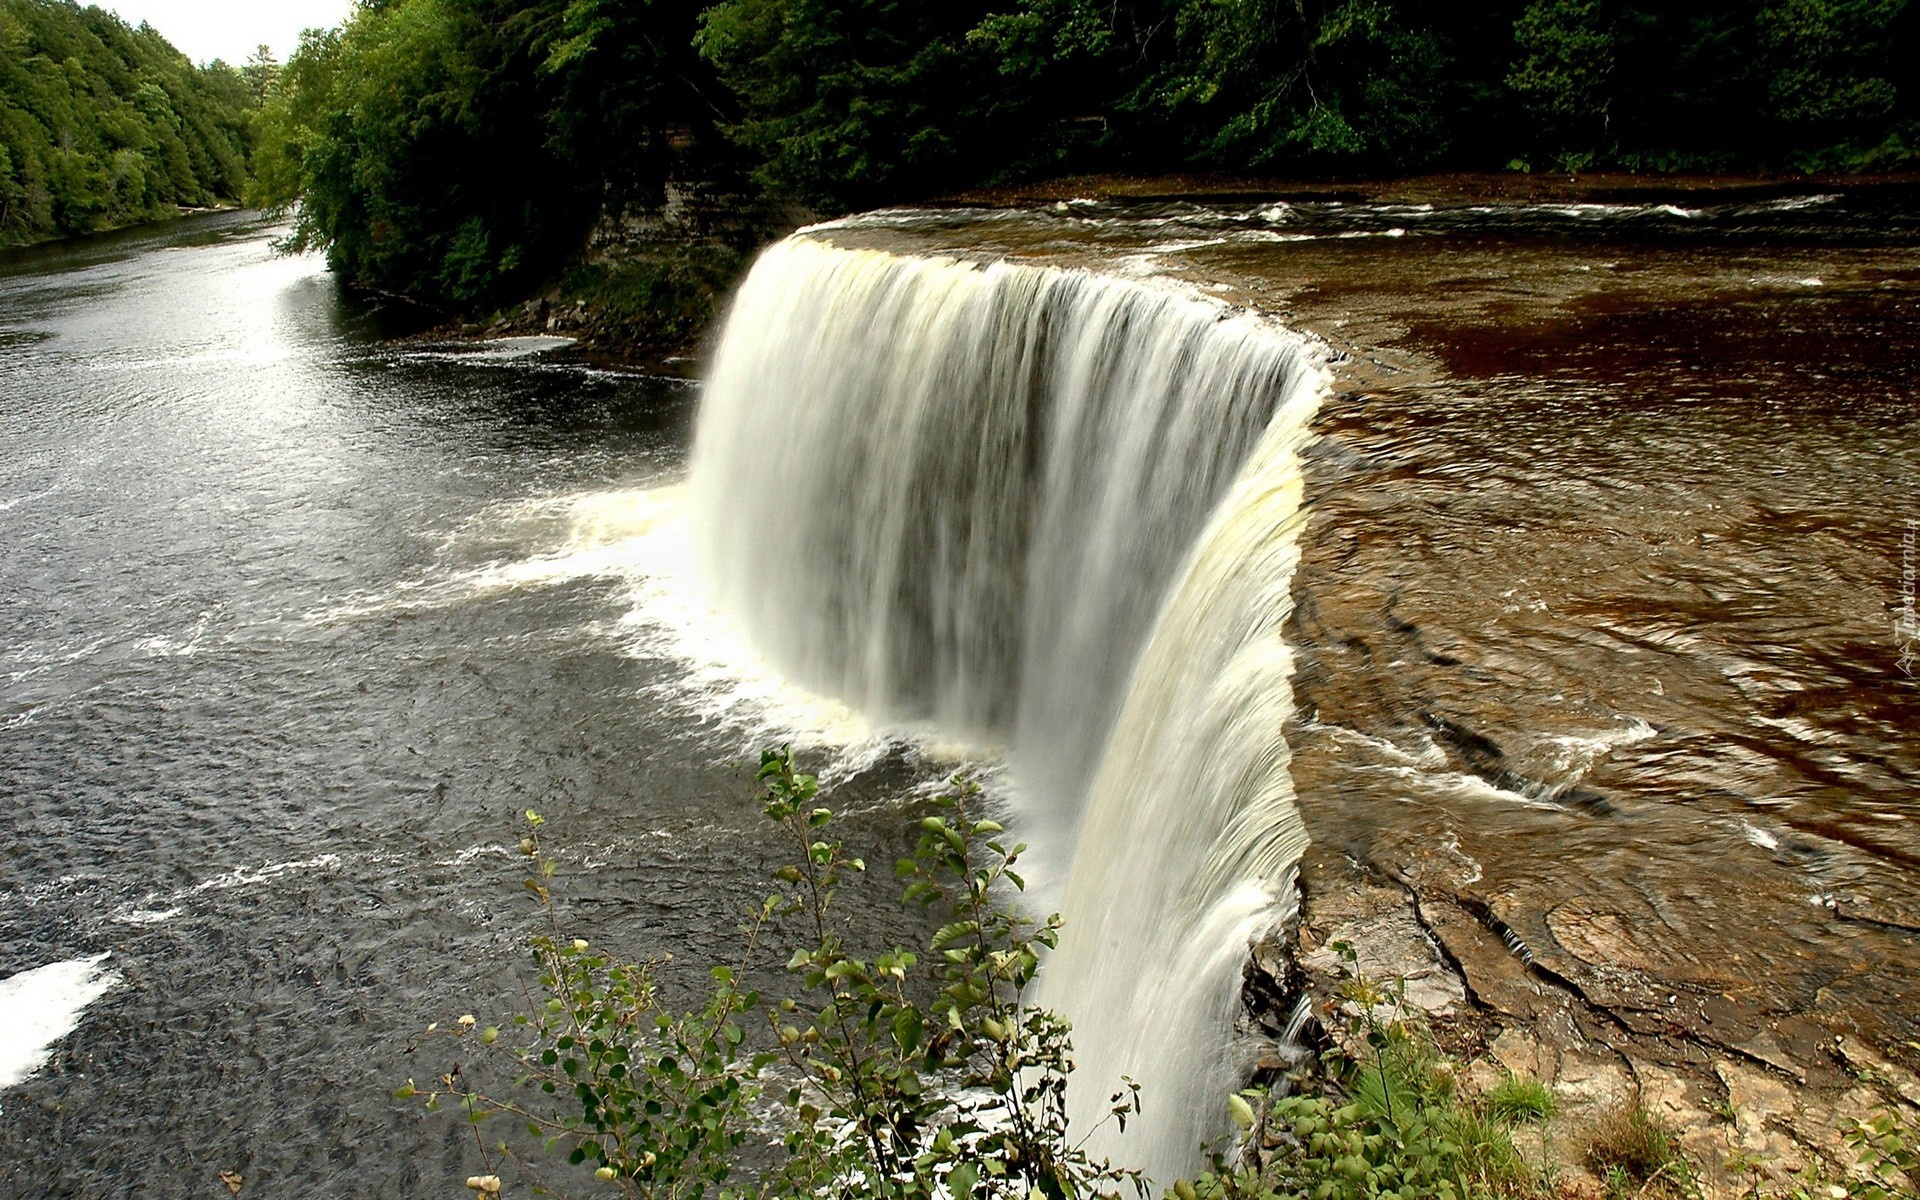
point(948, 934)
point(961, 1181)
point(1241, 1110)
point(907, 1029)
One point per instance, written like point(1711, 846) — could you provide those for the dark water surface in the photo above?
point(292, 625)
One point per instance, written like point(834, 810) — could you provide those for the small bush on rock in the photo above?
point(1385, 1123)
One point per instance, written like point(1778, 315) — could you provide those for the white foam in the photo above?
point(153, 909)
point(1759, 836)
point(639, 539)
point(144, 916)
point(1573, 756)
point(43, 1005)
point(1462, 784)
point(521, 347)
point(250, 876)
point(162, 646)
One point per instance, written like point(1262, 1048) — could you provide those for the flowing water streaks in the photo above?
point(1056, 508)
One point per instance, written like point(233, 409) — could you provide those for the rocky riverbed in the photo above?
point(1608, 746)
point(1605, 742)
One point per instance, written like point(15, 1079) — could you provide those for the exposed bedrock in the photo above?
point(1615, 837)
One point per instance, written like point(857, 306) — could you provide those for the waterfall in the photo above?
point(1058, 511)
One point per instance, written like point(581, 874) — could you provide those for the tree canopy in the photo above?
point(103, 125)
point(458, 149)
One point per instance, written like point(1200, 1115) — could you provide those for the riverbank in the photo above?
point(151, 222)
point(1750, 1100)
point(648, 285)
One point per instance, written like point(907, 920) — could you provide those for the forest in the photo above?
point(102, 125)
point(457, 149)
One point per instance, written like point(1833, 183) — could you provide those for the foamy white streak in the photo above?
point(43, 1005)
point(1190, 835)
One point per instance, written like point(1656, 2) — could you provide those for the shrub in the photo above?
point(898, 1075)
point(1887, 1146)
point(1386, 1123)
point(661, 295)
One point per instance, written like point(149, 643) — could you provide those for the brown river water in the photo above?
point(1604, 612)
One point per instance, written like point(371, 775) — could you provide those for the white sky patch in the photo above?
point(204, 30)
point(41, 1006)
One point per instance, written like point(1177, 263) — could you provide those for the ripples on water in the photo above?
point(292, 625)
point(1595, 607)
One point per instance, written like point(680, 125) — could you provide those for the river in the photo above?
point(1590, 567)
point(296, 622)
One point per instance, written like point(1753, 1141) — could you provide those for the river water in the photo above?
point(1605, 521)
point(293, 623)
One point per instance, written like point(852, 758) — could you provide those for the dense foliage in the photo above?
point(102, 125)
point(460, 149)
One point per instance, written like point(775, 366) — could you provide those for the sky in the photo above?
point(230, 29)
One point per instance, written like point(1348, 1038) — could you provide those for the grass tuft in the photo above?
point(1521, 1101)
point(1637, 1154)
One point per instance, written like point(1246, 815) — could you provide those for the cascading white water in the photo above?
point(1059, 509)
point(1190, 835)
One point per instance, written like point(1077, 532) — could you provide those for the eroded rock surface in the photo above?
point(1604, 739)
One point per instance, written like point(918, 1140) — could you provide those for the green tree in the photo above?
point(1563, 72)
point(103, 125)
point(459, 150)
point(855, 102)
point(1832, 67)
point(1356, 83)
point(261, 74)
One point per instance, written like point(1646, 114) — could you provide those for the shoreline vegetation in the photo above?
point(105, 126)
point(606, 171)
point(475, 154)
